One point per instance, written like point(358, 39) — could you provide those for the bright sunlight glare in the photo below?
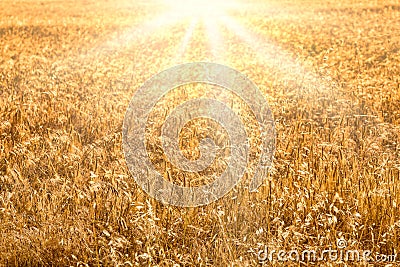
point(199, 8)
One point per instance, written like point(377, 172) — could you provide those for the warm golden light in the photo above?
point(198, 8)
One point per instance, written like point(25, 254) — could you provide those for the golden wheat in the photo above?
point(67, 198)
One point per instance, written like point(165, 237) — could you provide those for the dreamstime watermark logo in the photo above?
point(159, 85)
point(341, 254)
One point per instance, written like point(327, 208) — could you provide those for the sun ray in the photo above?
point(274, 57)
point(185, 41)
point(139, 32)
point(161, 22)
point(215, 42)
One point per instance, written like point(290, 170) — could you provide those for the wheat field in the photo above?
point(68, 69)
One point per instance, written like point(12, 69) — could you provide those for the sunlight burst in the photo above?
point(197, 8)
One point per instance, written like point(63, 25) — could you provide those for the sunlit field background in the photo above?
point(68, 69)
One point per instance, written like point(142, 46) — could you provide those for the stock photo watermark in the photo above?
point(340, 254)
point(158, 86)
